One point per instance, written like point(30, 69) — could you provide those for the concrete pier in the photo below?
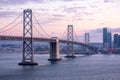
point(54, 50)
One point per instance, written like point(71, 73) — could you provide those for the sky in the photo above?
point(86, 16)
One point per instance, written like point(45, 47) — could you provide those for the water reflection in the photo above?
point(93, 67)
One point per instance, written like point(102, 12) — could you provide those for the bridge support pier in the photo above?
point(54, 51)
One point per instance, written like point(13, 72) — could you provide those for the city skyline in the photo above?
point(85, 15)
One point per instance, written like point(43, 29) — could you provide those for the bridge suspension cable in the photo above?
point(63, 34)
point(75, 35)
point(38, 31)
point(8, 29)
point(10, 23)
point(41, 26)
point(80, 38)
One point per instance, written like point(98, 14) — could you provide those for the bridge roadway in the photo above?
point(36, 39)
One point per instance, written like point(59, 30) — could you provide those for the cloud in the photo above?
point(70, 10)
point(55, 19)
point(88, 13)
point(108, 0)
point(57, 10)
point(58, 15)
point(49, 20)
point(19, 2)
point(73, 9)
point(41, 9)
point(79, 18)
point(93, 6)
point(11, 2)
point(7, 14)
point(67, 0)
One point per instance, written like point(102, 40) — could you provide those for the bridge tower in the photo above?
point(87, 38)
point(87, 41)
point(27, 44)
point(70, 52)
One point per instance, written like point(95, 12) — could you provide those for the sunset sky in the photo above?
point(54, 16)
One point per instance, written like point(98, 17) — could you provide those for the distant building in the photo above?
point(104, 37)
point(107, 39)
point(119, 41)
point(116, 40)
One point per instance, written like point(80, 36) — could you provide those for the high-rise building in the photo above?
point(109, 40)
point(104, 37)
point(119, 41)
point(116, 40)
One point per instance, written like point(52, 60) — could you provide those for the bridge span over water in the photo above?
point(28, 40)
point(54, 46)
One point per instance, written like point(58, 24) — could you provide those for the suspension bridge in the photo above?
point(28, 39)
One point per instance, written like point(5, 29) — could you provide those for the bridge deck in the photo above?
point(20, 38)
